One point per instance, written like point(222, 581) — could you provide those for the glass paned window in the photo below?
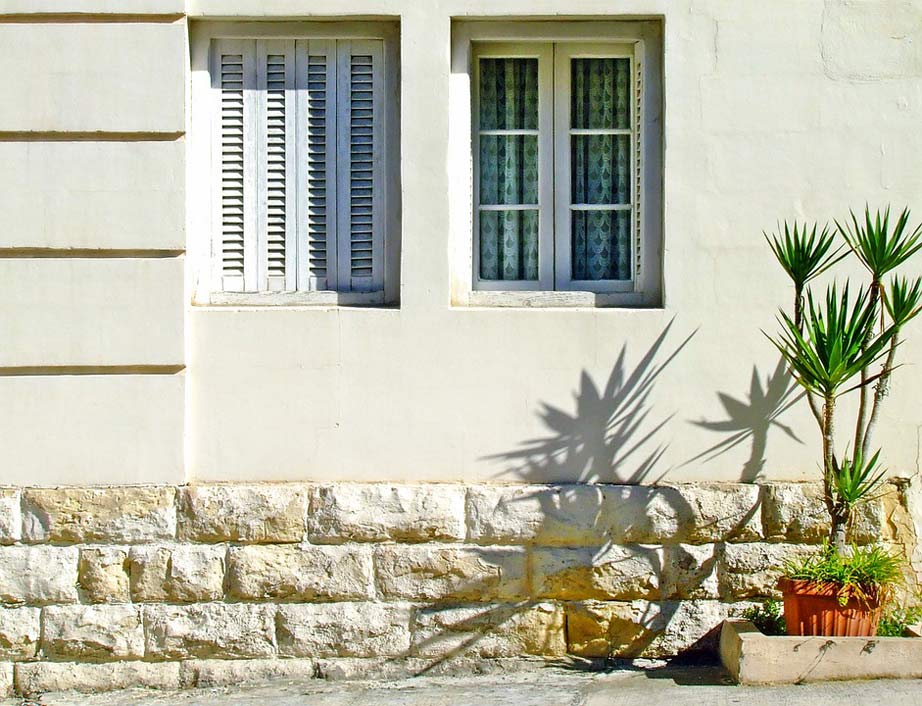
point(508, 159)
point(601, 164)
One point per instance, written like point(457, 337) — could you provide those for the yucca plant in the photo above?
point(844, 343)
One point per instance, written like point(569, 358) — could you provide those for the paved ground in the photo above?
point(660, 686)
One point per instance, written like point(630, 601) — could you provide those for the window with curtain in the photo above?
point(557, 166)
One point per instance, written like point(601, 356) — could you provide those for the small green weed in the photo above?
point(767, 617)
point(895, 622)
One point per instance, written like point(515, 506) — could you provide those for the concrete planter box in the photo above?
point(754, 658)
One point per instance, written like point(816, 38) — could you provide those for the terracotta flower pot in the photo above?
point(813, 609)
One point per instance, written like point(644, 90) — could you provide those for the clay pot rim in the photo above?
point(826, 589)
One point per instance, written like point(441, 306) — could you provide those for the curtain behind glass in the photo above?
point(508, 169)
point(601, 164)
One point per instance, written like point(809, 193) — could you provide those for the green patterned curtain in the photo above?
point(508, 169)
point(601, 164)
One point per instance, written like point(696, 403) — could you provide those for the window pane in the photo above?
point(601, 169)
point(509, 169)
point(601, 93)
point(509, 245)
point(601, 245)
point(508, 94)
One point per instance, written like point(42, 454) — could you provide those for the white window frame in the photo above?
point(641, 41)
point(207, 286)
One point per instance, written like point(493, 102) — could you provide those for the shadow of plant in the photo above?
point(751, 420)
point(612, 444)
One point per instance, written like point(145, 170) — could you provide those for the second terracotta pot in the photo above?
point(813, 609)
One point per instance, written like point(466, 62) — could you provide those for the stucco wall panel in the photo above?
point(93, 195)
point(135, 7)
point(91, 312)
point(90, 429)
point(119, 77)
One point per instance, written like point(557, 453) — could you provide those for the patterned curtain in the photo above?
point(601, 165)
point(508, 169)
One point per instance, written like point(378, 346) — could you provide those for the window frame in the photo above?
point(208, 286)
point(472, 39)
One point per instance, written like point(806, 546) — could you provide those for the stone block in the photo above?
point(10, 516)
point(375, 512)
point(103, 575)
point(719, 512)
point(692, 571)
point(489, 631)
point(606, 629)
point(214, 673)
point(89, 77)
point(118, 514)
point(7, 687)
point(177, 573)
point(615, 572)
point(795, 512)
point(642, 628)
point(344, 630)
point(89, 195)
point(20, 631)
point(752, 570)
point(38, 575)
point(92, 633)
point(568, 515)
point(249, 513)
point(92, 311)
point(631, 514)
point(33, 678)
point(424, 572)
point(210, 630)
point(307, 573)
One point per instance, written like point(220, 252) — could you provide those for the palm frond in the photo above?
point(880, 249)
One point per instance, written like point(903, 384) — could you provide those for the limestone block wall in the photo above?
point(168, 586)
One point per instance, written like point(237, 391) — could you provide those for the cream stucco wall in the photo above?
point(794, 108)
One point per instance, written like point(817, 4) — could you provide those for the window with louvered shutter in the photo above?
point(300, 130)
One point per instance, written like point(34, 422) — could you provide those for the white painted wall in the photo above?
point(794, 108)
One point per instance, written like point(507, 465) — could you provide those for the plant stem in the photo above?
point(881, 390)
point(860, 425)
point(829, 408)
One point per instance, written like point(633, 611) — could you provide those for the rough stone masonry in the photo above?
point(166, 586)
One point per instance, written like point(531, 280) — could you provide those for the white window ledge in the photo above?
point(296, 299)
point(552, 300)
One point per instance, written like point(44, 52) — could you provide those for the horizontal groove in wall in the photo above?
point(86, 253)
point(88, 17)
point(53, 370)
point(35, 136)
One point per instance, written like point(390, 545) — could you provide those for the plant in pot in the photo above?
point(845, 342)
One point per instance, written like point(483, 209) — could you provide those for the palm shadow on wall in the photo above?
point(749, 420)
point(607, 439)
point(615, 436)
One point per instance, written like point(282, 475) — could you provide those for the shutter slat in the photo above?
point(317, 81)
point(277, 269)
point(364, 237)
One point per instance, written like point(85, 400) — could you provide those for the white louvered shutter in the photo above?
point(360, 197)
point(300, 134)
point(277, 270)
point(234, 77)
point(316, 83)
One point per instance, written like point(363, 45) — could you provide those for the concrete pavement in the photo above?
point(655, 685)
